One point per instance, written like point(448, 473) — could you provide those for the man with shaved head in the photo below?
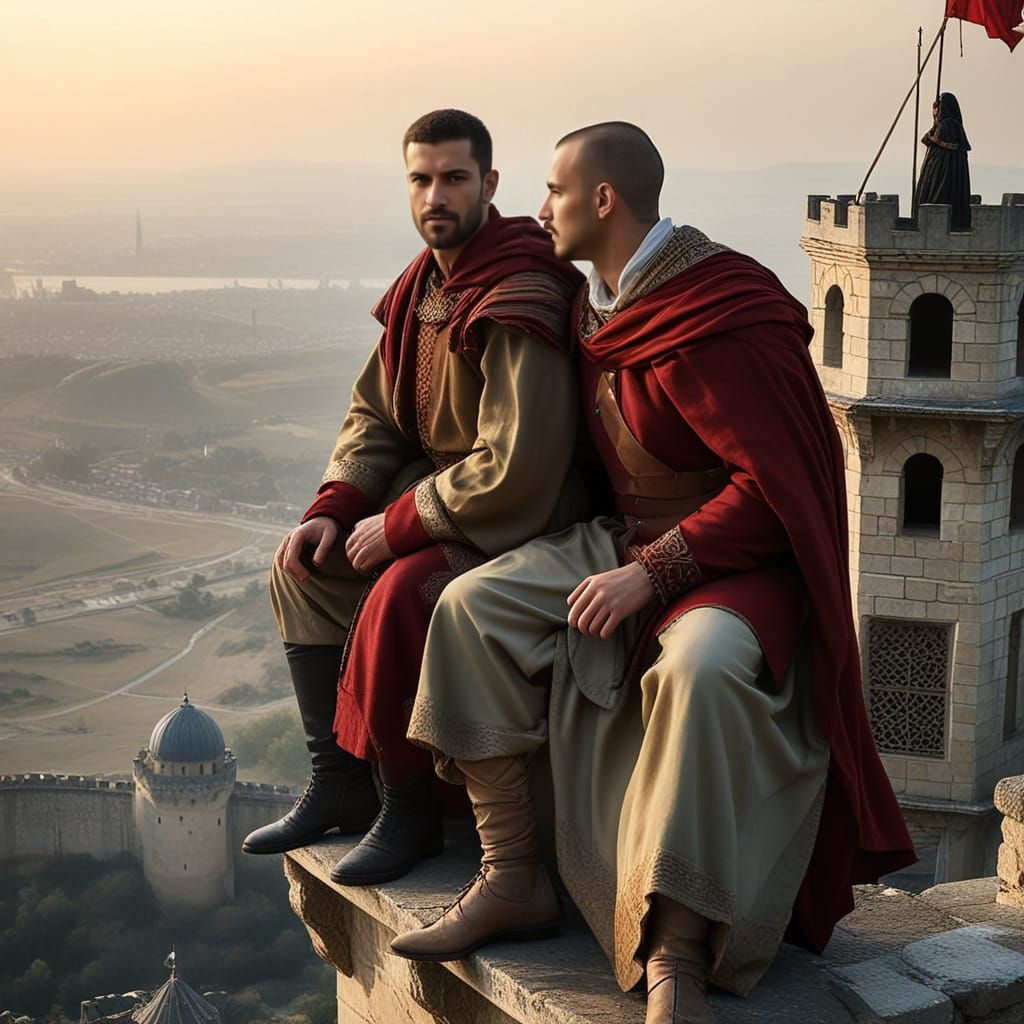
point(690, 661)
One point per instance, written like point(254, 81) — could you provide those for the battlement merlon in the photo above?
point(49, 780)
point(874, 228)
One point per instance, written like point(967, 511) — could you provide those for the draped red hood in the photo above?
point(502, 247)
point(740, 334)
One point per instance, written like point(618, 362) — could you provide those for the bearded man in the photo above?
point(456, 447)
point(714, 777)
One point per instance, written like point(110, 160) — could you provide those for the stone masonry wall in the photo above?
point(982, 275)
point(55, 816)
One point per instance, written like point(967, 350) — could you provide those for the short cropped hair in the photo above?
point(624, 156)
point(450, 125)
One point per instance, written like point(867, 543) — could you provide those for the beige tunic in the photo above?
point(486, 442)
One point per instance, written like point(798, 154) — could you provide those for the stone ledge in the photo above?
point(878, 967)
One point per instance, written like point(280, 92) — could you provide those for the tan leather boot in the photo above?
point(677, 965)
point(511, 897)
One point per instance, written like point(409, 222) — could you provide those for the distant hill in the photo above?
point(148, 392)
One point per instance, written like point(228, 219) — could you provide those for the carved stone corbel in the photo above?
point(319, 908)
point(991, 439)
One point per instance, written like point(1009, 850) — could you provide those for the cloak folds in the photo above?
point(722, 336)
point(945, 175)
point(533, 301)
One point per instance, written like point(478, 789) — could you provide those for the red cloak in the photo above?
point(728, 346)
point(504, 246)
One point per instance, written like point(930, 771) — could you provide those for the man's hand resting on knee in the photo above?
point(600, 603)
point(319, 533)
point(367, 547)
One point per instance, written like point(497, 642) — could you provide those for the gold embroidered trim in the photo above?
point(433, 514)
point(669, 564)
point(436, 311)
point(347, 471)
point(436, 306)
point(426, 344)
point(460, 559)
point(449, 737)
point(686, 246)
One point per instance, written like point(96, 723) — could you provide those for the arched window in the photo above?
point(931, 337)
point(1017, 491)
point(1020, 338)
point(922, 495)
point(832, 352)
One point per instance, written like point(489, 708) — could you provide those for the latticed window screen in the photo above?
point(908, 669)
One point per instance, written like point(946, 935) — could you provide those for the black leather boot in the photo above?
point(340, 793)
point(407, 829)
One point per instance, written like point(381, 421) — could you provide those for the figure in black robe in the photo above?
point(945, 177)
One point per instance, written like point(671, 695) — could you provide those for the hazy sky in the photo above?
point(147, 83)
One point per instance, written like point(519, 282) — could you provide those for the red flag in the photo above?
point(1002, 18)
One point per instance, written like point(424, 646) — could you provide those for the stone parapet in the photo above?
point(49, 780)
point(1009, 800)
point(875, 226)
point(948, 955)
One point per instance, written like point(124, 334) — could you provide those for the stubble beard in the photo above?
point(449, 234)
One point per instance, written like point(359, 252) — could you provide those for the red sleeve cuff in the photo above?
point(341, 502)
point(403, 528)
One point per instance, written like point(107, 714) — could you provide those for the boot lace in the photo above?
point(480, 877)
point(304, 798)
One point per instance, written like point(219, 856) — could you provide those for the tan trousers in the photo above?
point(702, 783)
point(319, 610)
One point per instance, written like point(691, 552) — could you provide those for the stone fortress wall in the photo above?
point(46, 815)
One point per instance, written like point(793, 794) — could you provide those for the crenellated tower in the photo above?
point(919, 343)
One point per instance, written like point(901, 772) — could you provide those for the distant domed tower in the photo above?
point(183, 781)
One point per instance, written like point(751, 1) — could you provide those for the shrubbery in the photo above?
point(273, 747)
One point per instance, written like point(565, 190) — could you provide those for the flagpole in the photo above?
point(899, 113)
point(942, 47)
point(917, 117)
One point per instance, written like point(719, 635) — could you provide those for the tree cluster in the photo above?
point(75, 928)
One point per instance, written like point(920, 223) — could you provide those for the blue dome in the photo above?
point(186, 735)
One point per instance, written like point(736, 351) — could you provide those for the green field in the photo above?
point(59, 552)
point(52, 732)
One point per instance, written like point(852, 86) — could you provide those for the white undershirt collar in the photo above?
point(601, 295)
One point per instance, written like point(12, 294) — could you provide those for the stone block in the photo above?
point(920, 590)
point(1008, 897)
point(878, 585)
point(907, 566)
point(874, 987)
point(1013, 833)
point(971, 967)
point(1009, 797)
point(1009, 867)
